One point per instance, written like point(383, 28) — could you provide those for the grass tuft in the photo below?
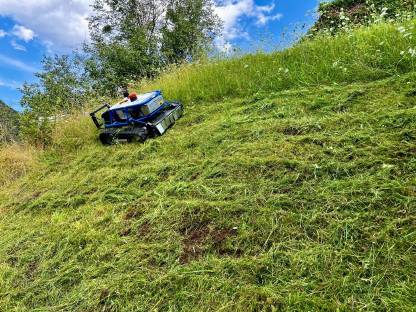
point(15, 161)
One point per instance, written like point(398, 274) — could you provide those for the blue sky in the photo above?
point(30, 29)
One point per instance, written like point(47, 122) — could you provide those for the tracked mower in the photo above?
point(146, 115)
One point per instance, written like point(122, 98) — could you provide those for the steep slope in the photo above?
point(360, 55)
point(8, 123)
point(298, 200)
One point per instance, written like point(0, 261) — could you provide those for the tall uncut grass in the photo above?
point(15, 161)
point(366, 54)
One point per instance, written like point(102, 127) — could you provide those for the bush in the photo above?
point(35, 129)
point(337, 14)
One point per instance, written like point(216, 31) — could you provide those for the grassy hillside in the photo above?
point(366, 54)
point(8, 123)
point(301, 199)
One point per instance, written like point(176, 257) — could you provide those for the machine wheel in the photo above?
point(152, 131)
point(106, 138)
point(138, 135)
point(137, 138)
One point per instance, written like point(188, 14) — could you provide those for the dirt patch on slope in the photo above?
point(197, 242)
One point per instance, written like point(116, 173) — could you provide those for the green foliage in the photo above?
point(61, 89)
point(9, 123)
point(35, 129)
point(113, 65)
point(136, 39)
point(337, 15)
point(395, 5)
point(189, 29)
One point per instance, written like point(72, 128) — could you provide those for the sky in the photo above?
point(30, 29)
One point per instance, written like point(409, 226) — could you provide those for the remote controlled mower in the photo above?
point(146, 115)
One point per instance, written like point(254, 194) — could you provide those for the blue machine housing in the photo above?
point(113, 121)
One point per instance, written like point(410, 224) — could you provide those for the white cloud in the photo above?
point(9, 84)
point(18, 32)
point(60, 23)
point(23, 33)
point(223, 45)
point(231, 12)
point(17, 46)
point(17, 64)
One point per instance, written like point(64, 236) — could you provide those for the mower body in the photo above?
point(147, 116)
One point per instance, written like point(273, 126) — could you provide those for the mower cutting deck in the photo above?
point(134, 121)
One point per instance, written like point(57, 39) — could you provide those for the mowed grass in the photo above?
point(304, 200)
point(296, 196)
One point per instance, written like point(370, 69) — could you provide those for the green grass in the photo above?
point(301, 200)
point(366, 54)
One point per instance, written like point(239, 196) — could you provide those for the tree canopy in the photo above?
point(137, 38)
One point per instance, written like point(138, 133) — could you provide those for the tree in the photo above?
point(189, 28)
point(133, 39)
point(113, 65)
point(62, 88)
point(118, 21)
